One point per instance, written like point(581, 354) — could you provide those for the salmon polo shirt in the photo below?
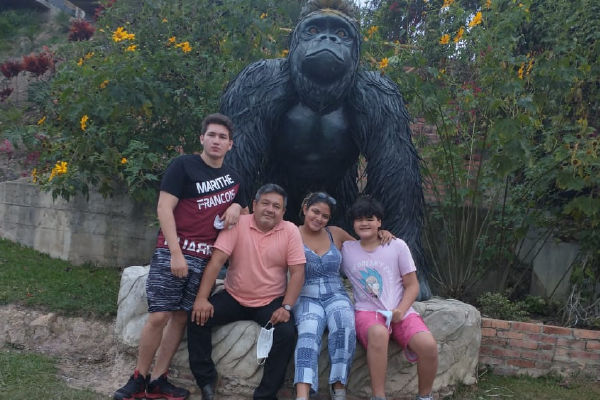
point(258, 261)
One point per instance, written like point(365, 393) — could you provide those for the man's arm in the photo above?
point(411, 291)
point(291, 294)
point(166, 204)
point(202, 309)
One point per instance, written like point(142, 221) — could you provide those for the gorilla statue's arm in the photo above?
point(254, 100)
point(393, 166)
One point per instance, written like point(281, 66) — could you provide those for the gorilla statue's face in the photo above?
point(327, 44)
point(323, 59)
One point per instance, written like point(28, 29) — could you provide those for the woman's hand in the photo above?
point(385, 236)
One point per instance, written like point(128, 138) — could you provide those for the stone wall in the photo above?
point(513, 348)
point(112, 232)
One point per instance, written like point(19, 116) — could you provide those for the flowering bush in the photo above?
point(122, 106)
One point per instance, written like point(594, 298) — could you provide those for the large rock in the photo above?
point(455, 325)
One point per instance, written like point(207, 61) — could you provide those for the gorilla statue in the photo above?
point(304, 122)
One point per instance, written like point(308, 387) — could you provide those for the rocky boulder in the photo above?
point(455, 325)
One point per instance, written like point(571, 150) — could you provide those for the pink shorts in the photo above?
point(401, 331)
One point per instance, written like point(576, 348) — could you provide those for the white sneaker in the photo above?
point(337, 394)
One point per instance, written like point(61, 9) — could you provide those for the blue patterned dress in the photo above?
point(323, 303)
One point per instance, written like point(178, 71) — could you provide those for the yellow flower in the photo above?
point(41, 121)
point(521, 71)
point(372, 30)
point(131, 48)
point(264, 15)
point(459, 34)
point(529, 66)
point(80, 62)
point(104, 84)
point(88, 55)
point(447, 3)
point(488, 4)
point(477, 19)
point(172, 39)
point(100, 30)
point(61, 167)
point(185, 46)
point(285, 52)
point(121, 34)
point(83, 122)
point(123, 161)
point(383, 63)
point(165, 20)
point(445, 39)
point(34, 175)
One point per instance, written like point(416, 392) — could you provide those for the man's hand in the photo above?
point(202, 311)
point(179, 266)
point(280, 315)
point(397, 315)
point(231, 215)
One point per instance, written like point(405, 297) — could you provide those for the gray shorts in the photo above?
point(165, 291)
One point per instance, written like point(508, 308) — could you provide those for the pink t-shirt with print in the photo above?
point(376, 275)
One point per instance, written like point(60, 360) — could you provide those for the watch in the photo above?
point(287, 307)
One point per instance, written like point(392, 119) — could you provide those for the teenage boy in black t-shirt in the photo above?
point(195, 190)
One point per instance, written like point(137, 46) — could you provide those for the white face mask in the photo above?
point(388, 317)
point(264, 343)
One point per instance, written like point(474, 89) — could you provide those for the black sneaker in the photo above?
point(163, 389)
point(209, 391)
point(134, 389)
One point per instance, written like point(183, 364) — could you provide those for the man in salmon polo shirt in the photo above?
point(261, 249)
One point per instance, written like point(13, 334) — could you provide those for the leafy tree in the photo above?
point(511, 94)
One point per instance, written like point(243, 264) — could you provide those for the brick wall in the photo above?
point(513, 348)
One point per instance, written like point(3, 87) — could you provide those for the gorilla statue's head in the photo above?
point(324, 55)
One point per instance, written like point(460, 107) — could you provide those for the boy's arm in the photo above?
point(411, 291)
point(164, 210)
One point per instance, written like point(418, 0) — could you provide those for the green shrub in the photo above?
point(498, 306)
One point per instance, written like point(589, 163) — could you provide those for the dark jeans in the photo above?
point(226, 310)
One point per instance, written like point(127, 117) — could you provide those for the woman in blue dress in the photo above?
point(323, 302)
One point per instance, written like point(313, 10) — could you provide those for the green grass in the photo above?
point(26, 376)
point(526, 388)
point(36, 280)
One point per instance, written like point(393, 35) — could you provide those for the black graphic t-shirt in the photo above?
point(203, 192)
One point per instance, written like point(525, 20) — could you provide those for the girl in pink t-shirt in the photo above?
point(385, 286)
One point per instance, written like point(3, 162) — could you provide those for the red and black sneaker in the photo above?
point(161, 388)
point(134, 389)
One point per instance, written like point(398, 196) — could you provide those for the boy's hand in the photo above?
point(179, 266)
point(397, 315)
point(231, 215)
